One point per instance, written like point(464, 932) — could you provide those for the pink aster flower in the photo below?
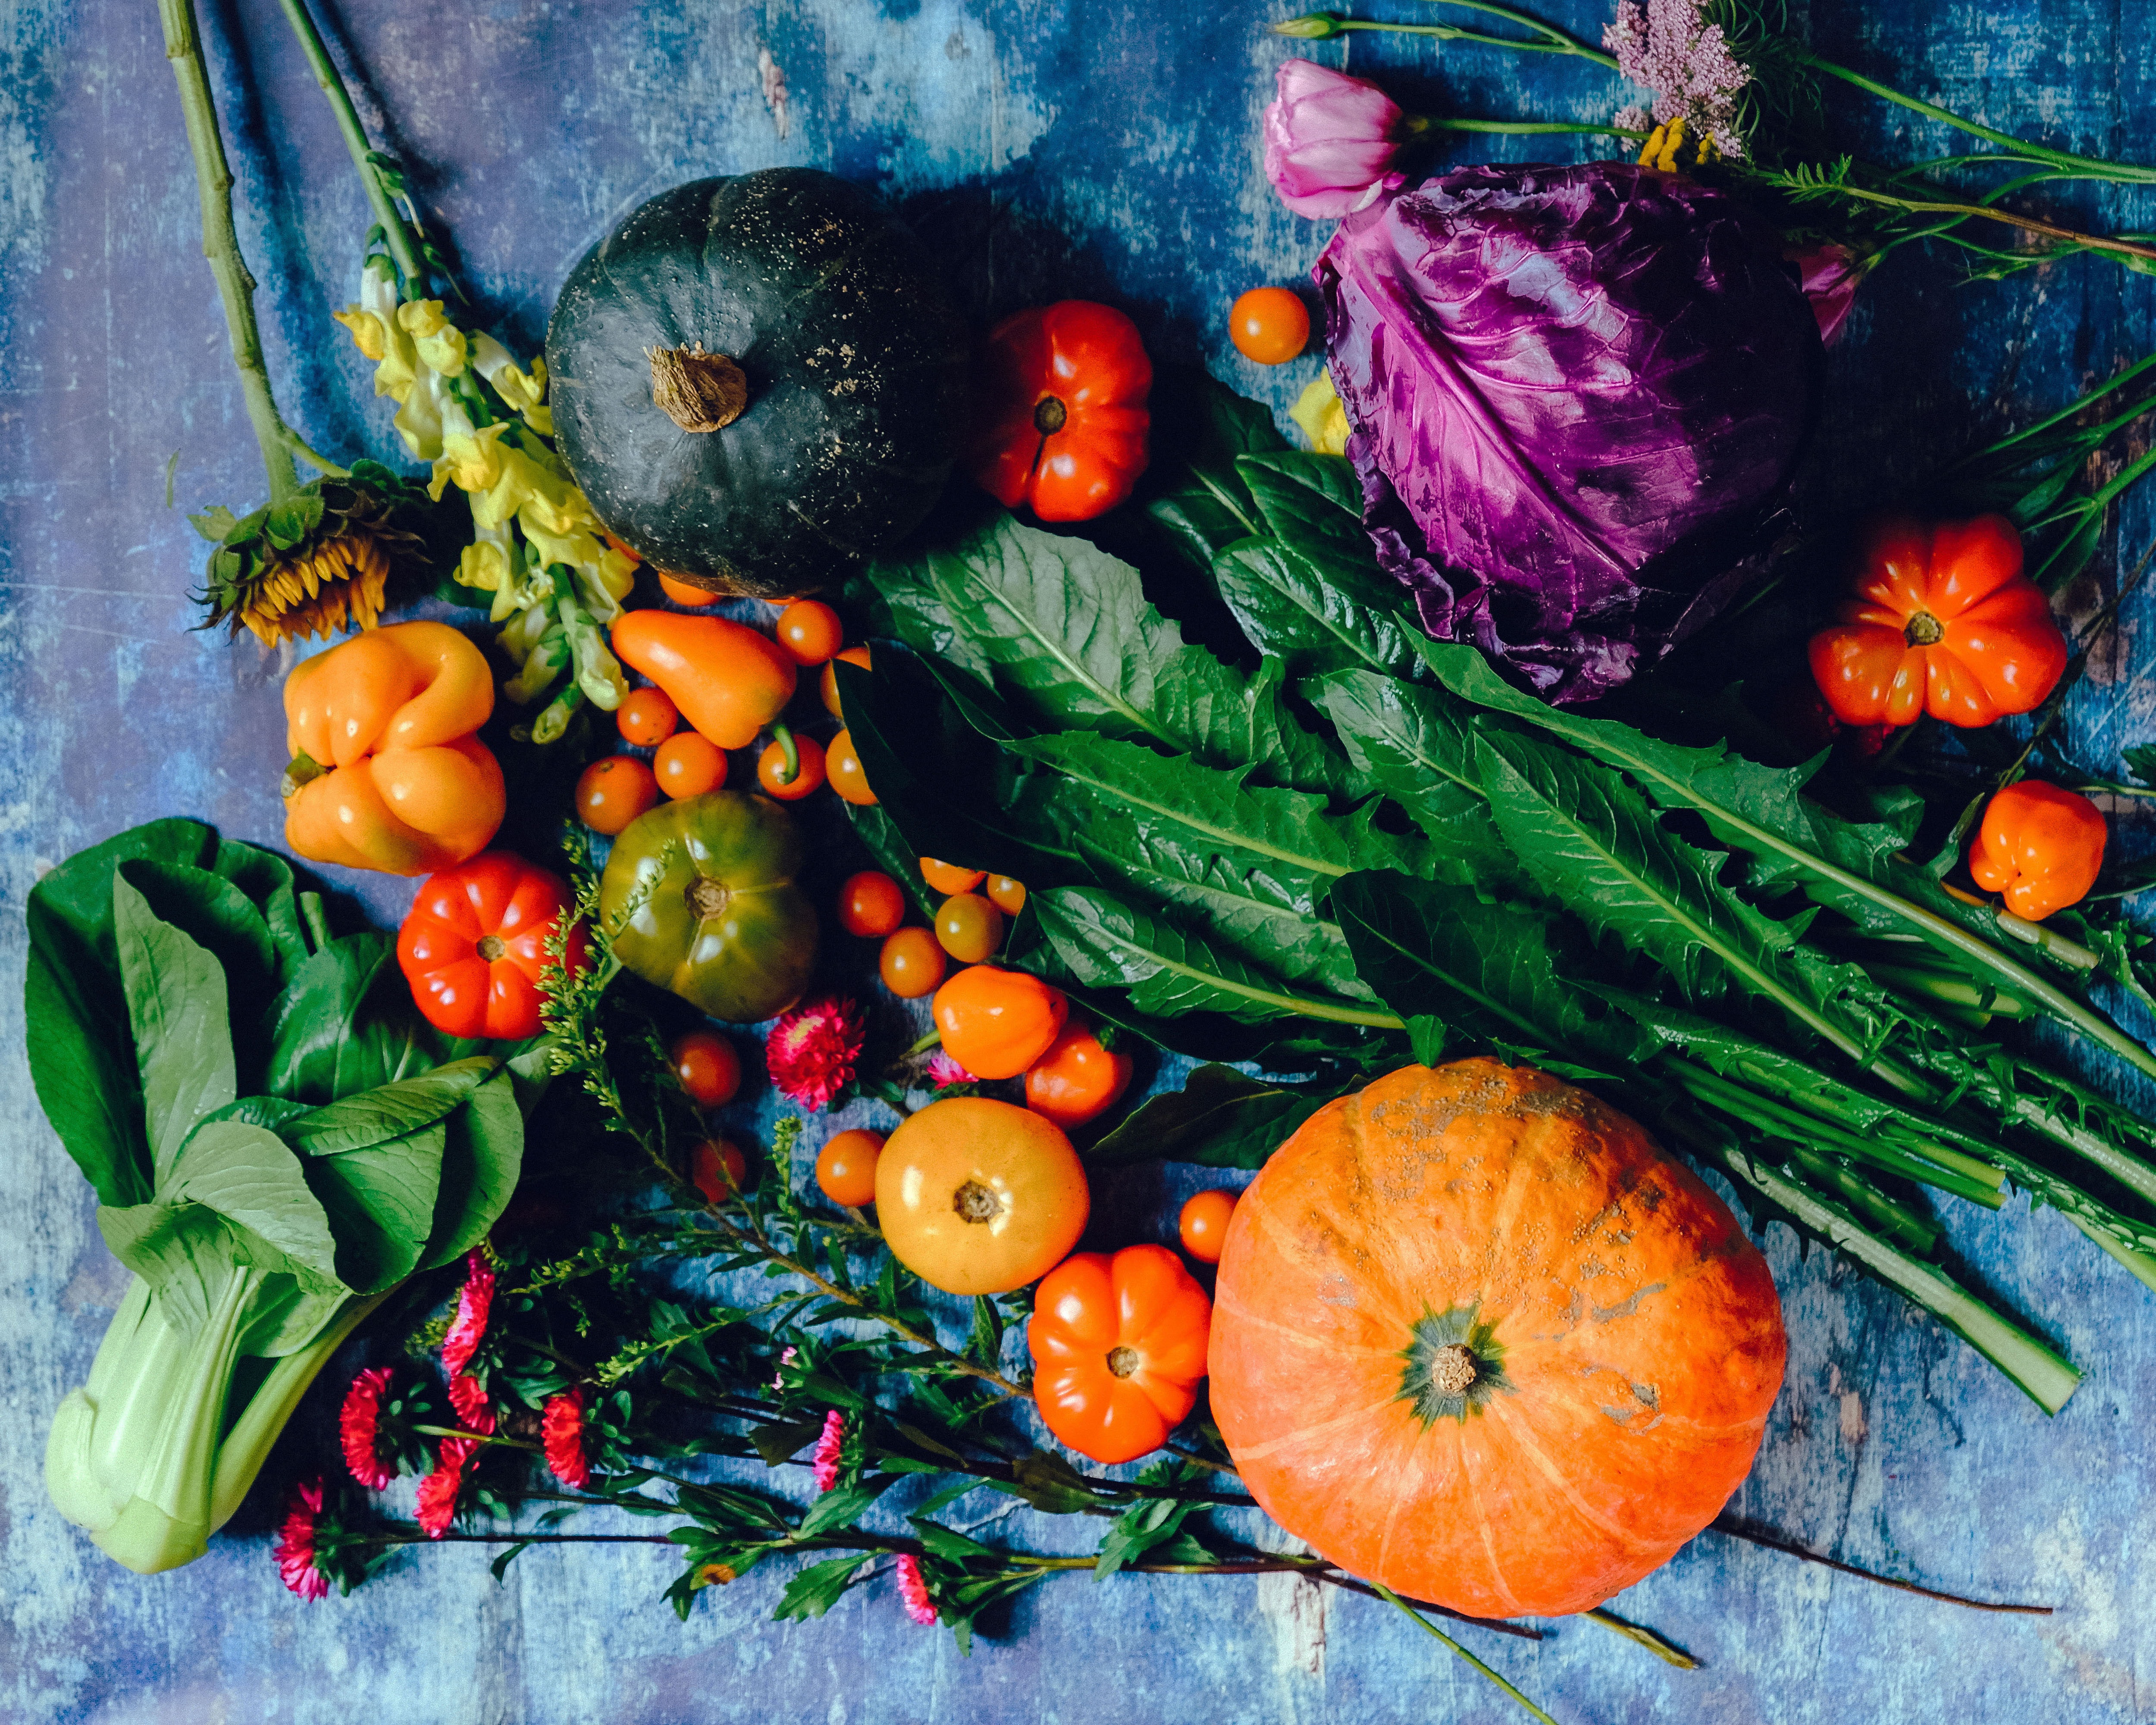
point(1672, 50)
point(914, 1591)
point(466, 1332)
point(943, 1071)
point(294, 1549)
point(561, 1435)
point(1330, 141)
point(1829, 275)
point(811, 1050)
point(438, 1491)
point(467, 1396)
point(359, 1422)
point(826, 1459)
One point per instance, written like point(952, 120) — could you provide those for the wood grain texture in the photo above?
point(1046, 148)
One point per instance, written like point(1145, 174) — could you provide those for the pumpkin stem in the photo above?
point(706, 896)
point(1049, 415)
point(491, 947)
point(697, 391)
point(1452, 1368)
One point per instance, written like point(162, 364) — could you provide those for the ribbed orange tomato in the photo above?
point(977, 1197)
point(1475, 1337)
point(1118, 1346)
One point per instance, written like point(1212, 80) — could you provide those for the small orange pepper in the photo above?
point(2040, 847)
point(995, 1023)
point(1118, 1346)
point(386, 772)
point(728, 681)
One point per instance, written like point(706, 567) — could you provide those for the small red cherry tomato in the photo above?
point(1118, 1346)
point(613, 791)
point(808, 770)
point(708, 1067)
point(1077, 1079)
point(846, 1167)
point(870, 903)
point(2040, 847)
point(717, 1168)
point(473, 946)
point(688, 764)
point(809, 631)
point(1270, 324)
point(646, 717)
point(1204, 1223)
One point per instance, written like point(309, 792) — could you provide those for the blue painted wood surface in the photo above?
point(1052, 148)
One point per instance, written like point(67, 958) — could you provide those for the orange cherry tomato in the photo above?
point(1270, 324)
point(810, 631)
point(977, 1197)
point(1941, 621)
point(995, 1023)
point(474, 946)
point(728, 681)
point(829, 686)
point(688, 764)
point(947, 877)
point(646, 717)
point(844, 768)
point(1006, 895)
point(682, 594)
point(809, 773)
point(2041, 847)
point(708, 1067)
point(1077, 1079)
point(870, 903)
point(1204, 1223)
point(613, 791)
point(968, 927)
point(717, 1168)
point(911, 964)
point(1118, 1347)
point(846, 1167)
point(1061, 414)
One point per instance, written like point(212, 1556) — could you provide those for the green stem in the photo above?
point(1419, 123)
point(1453, 33)
point(1664, 1650)
point(789, 751)
point(396, 231)
point(1431, 1630)
point(235, 287)
point(2031, 224)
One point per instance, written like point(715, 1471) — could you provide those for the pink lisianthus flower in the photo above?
point(829, 1447)
point(295, 1550)
point(359, 1422)
point(1829, 275)
point(1330, 141)
point(914, 1591)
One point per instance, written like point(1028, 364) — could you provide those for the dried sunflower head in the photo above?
point(320, 561)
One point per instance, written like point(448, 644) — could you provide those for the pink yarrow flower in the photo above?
point(825, 1461)
point(562, 1435)
point(466, 1332)
point(359, 1423)
point(1669, 49)
point(1330, 141)
point(1829, 275)
point(294, 1549)
point(914, 1591)
point(438, 1491)
point(811, 1050)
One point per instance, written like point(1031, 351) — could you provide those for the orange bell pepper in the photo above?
point(1118, 1346)
point(2040, 847)
point(995, 1023)
point(1941, 620)
point(385, 770)
point(728, 681)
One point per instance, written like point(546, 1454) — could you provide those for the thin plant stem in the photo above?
point(1668, 1652)
point(1554, 40)
point(1735, 1529)
point(235, 284)
point(2030, 224)
point(1431, 1630)
point(1521, 128)
point(395, 229)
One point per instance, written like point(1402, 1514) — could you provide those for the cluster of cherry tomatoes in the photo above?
point(687, 762)
point(708, 1069)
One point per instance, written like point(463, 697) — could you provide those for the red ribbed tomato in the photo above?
point(473, 947)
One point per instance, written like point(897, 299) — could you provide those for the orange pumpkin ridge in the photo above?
point(1476, 1337)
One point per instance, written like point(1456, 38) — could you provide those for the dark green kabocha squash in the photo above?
point(758, 381)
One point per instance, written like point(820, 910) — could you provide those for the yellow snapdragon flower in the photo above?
point(523, 392)
point(440, 343)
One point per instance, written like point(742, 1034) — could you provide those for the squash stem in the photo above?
point(1431, 1630)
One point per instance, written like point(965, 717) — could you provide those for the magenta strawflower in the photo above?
point(438, 1491)
point(294, 1549)
point(914, 1591)
point(468, 1330)
point(1330, 141)
point(943, 1071)
point(1669, 49)
point(359, 1423)
point(561, 1435)
point(826, 1459)
point(811, 1050)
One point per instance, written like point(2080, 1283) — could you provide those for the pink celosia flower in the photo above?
point(1672, 50)
point(295, 1550)
point(943, 1071)
point(438, 1491)
point(826, 1459)
point(561, 1435)
point(1829, 275)
point(914, 1591)
point(359, 1422)
point(811, 1050)
point(1329, 141)
point(466, 1332)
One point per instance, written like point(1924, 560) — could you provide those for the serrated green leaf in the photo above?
point(1318, 609)
point(214, 523)
point(944, 1543)
point(842, 1506)
point(1206, 503)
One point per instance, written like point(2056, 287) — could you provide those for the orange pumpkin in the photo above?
point(1475, 1337)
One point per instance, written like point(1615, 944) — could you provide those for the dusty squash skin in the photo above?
point(828, 437)
point(1475, 1337)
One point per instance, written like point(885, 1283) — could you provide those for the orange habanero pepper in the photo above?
point(728, 681)
point(385, 770)
point(1118, 1346)
point(1941, 620)
point(2040, 847)
point(995, 1023)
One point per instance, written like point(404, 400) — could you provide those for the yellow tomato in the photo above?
point(978, 1197)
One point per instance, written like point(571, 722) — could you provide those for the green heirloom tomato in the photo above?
point(716, 916)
